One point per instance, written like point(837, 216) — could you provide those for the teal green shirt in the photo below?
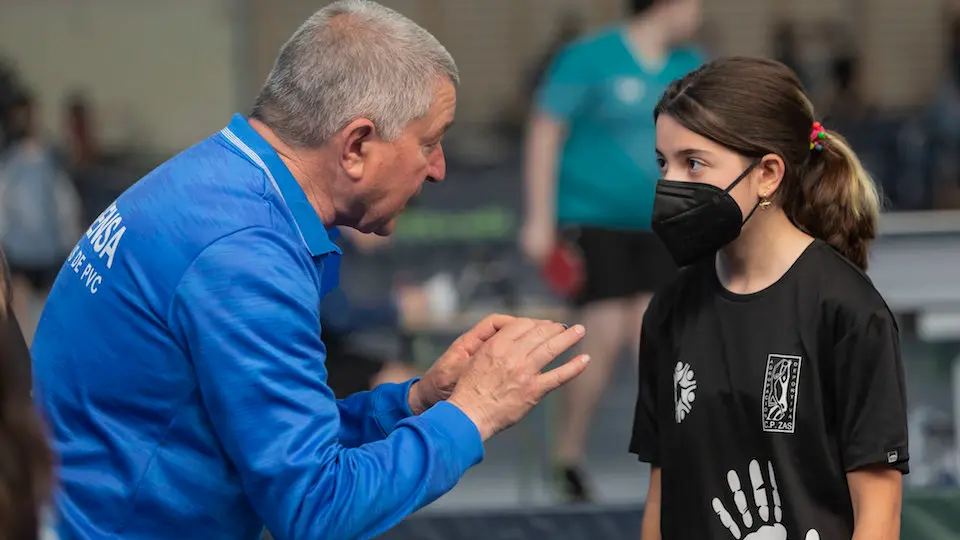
point(608, 168)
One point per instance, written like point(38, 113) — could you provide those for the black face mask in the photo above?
point(694, 219)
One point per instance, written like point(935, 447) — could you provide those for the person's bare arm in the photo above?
point(877, 494)
point(651, 510)
point(544, 137)
point(542, 148)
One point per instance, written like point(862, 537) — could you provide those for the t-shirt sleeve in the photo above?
point(871, 395)
point(566, 85)
point(645, 441)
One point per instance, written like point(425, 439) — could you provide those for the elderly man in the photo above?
point(179, 359)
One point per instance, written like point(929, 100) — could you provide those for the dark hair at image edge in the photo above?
point(25, 459)
point(757, 107)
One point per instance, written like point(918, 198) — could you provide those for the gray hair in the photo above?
point(352, 59)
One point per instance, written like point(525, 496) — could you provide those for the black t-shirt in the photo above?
point(756, 406)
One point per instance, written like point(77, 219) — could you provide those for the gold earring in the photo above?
point(764, 202)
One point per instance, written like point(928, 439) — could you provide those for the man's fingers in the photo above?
point(495, 322)
point(539, 334)
point(486, 329)
point(557, 377)
point(516, 328)
point(553, 347)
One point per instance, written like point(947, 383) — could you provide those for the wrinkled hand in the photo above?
point(439, 382)
point(505, 379)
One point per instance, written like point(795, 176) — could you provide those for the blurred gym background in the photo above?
point(118, 86)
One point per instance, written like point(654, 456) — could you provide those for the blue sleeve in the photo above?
point(370, 416)
point(247, 313)
point(567, 84)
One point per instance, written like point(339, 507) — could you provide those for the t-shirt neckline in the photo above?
point(748, 297)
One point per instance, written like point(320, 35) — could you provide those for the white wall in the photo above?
point(161, 72)
point(904, 48)
point(493, 41)
point(166, 73)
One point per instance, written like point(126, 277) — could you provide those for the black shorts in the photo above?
point(619, 264)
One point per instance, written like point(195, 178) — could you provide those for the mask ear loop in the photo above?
point(762, 203)
point(743, 175)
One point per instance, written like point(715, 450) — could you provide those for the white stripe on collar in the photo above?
point(242, 146)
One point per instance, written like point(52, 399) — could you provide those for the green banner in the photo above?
point(479, 224)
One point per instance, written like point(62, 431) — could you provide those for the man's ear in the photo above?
point(354, 148)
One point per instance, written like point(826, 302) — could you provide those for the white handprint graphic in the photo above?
point(768, 524)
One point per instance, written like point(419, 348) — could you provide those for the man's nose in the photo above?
point(438, 166)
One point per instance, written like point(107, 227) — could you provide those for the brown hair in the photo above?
point(757, 107)
point(25, 459)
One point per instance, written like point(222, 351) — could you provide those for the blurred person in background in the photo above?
point(9, 91)
point(26, 463)
point(872, 135)
point(772, 400)
point(83, 155)
point(351, 368)
point(787, 49)
point(83, 150)
point(590, 180)
point(179, 358)
point(848, 104)
point(39, 210)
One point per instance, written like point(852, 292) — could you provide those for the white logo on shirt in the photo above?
point(684, 390)
point(104, 240)
point(780, 386)
point(629, 89)
point(767, 526)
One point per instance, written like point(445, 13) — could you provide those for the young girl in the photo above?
point(25, 460)
point(772, 401)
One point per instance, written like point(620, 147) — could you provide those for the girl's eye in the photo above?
point(695, 165)
point(662, 163)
